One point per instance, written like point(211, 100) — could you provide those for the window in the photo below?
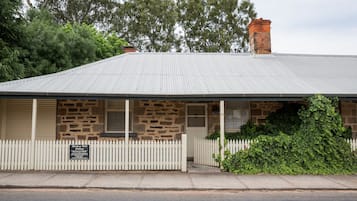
point(115, 116)
point(236, 114)
point(196, 115)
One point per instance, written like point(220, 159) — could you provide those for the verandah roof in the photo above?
point(197, 75)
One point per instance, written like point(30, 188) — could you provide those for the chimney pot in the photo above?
point(129, 48)
point(259, 36)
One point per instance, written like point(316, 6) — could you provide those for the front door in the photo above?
point(196, 124)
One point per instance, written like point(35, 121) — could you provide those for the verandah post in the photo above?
point(126, 159)
point(184, 153)
point(221, 123)
point(33, 132)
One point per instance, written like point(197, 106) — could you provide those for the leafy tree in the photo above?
point(44, 45)
point(164, 25)
point(10, 66)
point(106, 45)
point(10, 21)
point(215, 25)
point(78, 11)
point(50, 47)
point(149, 25)
point(10, 35)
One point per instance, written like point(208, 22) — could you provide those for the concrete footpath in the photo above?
point(174, 181)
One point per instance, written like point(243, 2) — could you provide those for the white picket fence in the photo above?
point(103, 155)
point(205, 148)
point(353, 143)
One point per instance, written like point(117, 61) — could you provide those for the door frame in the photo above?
point(189, 137)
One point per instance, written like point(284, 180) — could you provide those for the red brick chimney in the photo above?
point(259, 36)
point(128, 49)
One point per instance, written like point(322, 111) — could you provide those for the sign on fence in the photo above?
point(79, 152)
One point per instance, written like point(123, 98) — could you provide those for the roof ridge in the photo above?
point(314, 55)
point(192, 53)
point(240, 54)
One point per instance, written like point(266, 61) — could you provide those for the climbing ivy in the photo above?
point(317, 147)
point(285, 119)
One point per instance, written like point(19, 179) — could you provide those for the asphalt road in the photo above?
point(120, 195)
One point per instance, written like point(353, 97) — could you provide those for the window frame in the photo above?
point(118, 110)
point(187, 116)
point(240, 108)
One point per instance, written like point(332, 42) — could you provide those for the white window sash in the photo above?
point(233, 123)
point(131, 109)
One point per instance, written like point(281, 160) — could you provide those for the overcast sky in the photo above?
point(311, 26)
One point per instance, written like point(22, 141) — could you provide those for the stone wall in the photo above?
point(155, 120)
point(84, 119)
point(80, 119)
point(259, 110)
point(349, 115)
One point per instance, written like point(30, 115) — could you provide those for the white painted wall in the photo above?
point(18, 119)
point(46, 119)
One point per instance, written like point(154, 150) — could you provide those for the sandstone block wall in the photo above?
point(84, 119)
point(349, 115)
point(80, 119)
point(259, 110)
point(155, 120)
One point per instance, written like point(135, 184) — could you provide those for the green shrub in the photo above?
point(348, 133)
point(250, 130)
point(247, 131)
point(318, 146)
point(216, 135)
point(269, 154)
point(285, 119)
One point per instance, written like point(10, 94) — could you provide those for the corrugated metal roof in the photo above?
point(214, 75)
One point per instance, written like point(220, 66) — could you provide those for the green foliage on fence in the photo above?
point(247, 131)
point(285, 119)
point(317, 147)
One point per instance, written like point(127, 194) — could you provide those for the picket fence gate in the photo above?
point(103, 155)
point(204, 149)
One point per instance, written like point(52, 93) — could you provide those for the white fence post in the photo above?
point(184, 153)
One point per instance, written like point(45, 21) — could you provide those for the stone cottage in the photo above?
point(159, 96)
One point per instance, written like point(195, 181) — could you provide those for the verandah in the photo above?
point(102, 155)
